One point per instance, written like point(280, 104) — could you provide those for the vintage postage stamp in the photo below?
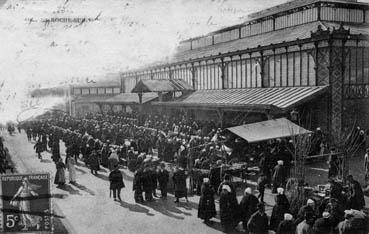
point(26, 203)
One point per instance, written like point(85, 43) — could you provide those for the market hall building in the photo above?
point(306, 60)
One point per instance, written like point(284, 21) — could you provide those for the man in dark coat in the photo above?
point(279, 176)
point(180, 187)
point(138, 185)
point(39, 148)
point(206, 209)
point(163, 178)
point(248, 206)
point(147, 183)
point(105, 153)
point(116, 182)
point(94, 162)
point(215, 175)
point(258, 222)
point(56, 150)
point(154, 180)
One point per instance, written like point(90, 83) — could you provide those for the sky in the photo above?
point(117, 35)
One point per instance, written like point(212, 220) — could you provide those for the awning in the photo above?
point(129, 99)
point(279, 99)
point(267, 130)
point(147, 86)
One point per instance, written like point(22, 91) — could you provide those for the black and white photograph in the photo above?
point(184, 116)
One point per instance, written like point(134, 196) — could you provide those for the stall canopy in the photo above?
point(280, 99)
point(267, 130)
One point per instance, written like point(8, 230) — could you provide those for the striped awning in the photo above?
point(129, 99)
point(147, 86)
point(281, 98)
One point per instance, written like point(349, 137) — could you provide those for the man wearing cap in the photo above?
point(248, 206)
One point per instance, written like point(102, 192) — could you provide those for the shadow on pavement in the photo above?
point(135, 208)
point(69, 189)
point(84, 188)
point(167, 208)
point(101, 176)
point(80, 170)
point(217, 226)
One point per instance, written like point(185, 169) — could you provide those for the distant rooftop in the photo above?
point(291, 5)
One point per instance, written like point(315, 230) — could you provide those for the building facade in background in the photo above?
point(305, 59)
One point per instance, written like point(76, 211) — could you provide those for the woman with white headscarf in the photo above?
point(287, 226)
point(24, 194)
point(228, 207)
point(281, 207)
point(206, 209)
point(248, 206)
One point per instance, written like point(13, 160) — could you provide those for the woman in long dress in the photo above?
point(206, 209)
point(72, 170)
point(24, 194)
point(60, 173)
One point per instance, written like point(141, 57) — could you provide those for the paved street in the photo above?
point(88, 209)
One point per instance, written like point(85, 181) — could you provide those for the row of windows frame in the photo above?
point(298, 56)
point(96, 91)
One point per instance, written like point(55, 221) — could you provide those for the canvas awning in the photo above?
point(279, 99)
point(267, 130)
point(129, 99)
point(147, 86)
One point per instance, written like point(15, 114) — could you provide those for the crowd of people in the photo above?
point(111, 139)
point(5, 163)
